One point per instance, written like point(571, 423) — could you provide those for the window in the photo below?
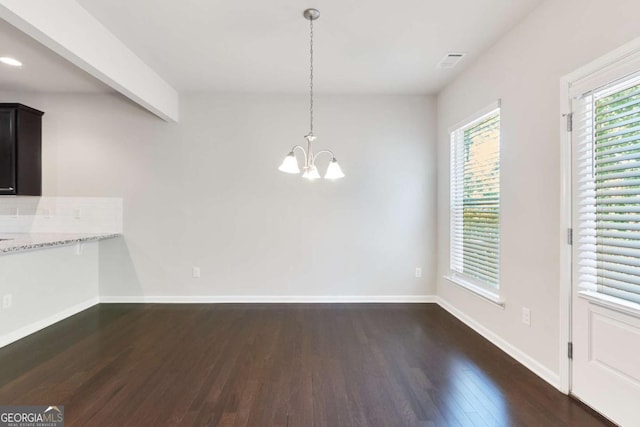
point(475, 201)
point(607, 138)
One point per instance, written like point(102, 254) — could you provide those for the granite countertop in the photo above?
point(17, 242)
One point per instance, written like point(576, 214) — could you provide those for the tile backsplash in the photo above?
point(61, 215)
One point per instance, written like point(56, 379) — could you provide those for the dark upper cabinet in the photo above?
point(20, 150)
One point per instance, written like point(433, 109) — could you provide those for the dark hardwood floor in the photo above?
point(277, 365)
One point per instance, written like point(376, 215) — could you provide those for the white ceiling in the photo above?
point(231, 46)
point(370, 46)
point(42, 70)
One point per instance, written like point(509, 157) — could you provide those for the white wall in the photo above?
point(46, 286)
point(524, 70)
point(207, 192)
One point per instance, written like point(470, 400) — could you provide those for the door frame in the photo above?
point(630, 49)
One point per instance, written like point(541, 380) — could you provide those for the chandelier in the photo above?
point(290, 163)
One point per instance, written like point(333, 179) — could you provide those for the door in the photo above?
point(7, 151)
point(605, 138)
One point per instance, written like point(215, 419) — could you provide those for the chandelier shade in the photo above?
point(312, 173)
point(334, 171)
point(290, 164)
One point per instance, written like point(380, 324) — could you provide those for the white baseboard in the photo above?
point(48, 321)
point(269, 299)
point(522, 357)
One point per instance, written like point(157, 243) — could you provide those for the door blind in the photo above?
point(475, 200)
point(607, 138)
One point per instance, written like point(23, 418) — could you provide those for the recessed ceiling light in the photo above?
point(10, 61)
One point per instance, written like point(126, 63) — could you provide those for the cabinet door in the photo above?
point(7, 151)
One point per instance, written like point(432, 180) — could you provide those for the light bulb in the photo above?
point(334, 171)
point(311, 173)
point(290, 164)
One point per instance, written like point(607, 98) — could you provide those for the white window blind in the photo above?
point(475, 200)
point(607, 139)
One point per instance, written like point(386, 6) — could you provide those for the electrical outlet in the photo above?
point(77, 213)
point(7, 301)
point(526, 316)
point(418, 272)
point(196, 272)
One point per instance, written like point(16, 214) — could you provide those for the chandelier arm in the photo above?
point(304, 152)
point(323, 151)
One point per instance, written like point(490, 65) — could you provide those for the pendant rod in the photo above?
point(311, 75)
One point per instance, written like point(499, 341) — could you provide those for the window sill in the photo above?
point(613, 303)
point(483, 293)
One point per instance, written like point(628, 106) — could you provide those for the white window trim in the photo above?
point(488, 293)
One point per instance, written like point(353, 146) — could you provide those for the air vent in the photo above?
point(451, 60)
